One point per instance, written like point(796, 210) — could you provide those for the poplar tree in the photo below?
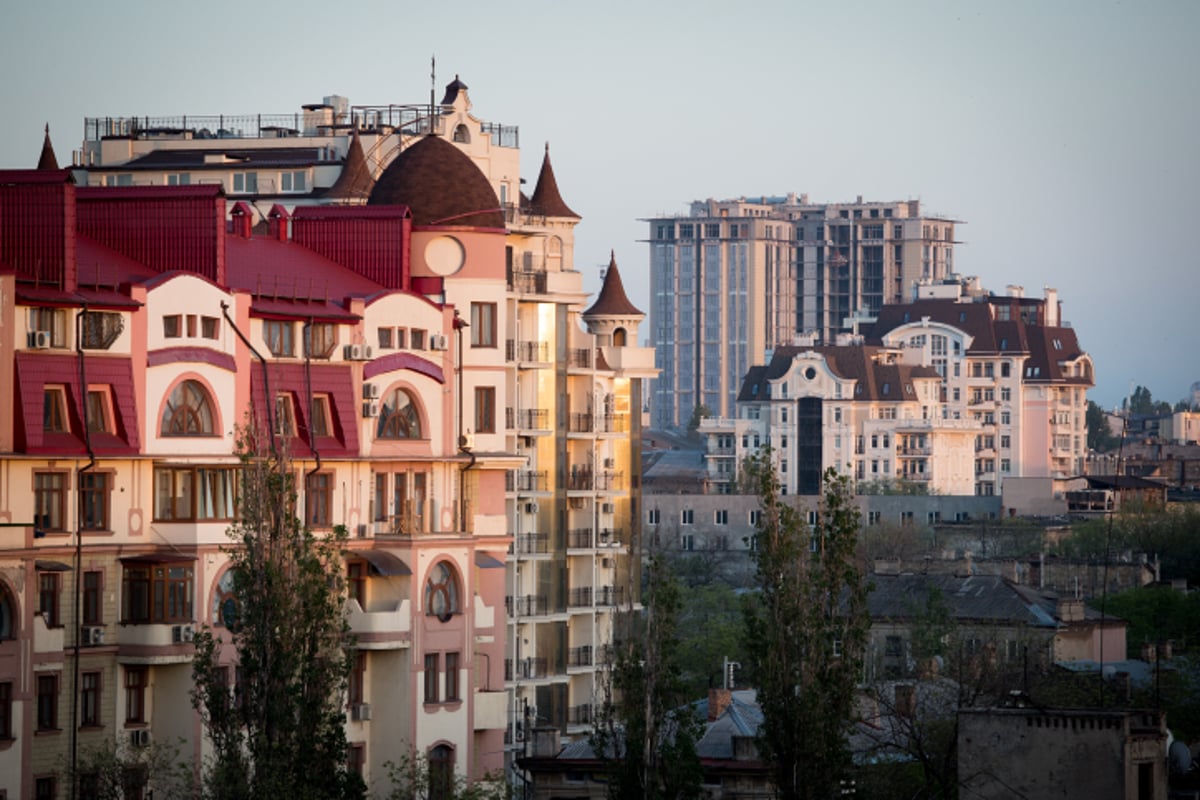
point(276, 718)
point(806, 631)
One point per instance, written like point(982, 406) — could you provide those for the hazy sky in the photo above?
point(1063, 133)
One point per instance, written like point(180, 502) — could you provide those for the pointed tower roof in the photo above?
point(355, 181)
point(452, 89)
point(546, 199)
point(613, 302)
point(47, 159)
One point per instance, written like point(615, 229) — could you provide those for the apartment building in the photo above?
point(416, 341)
point(954, 392)
point(733, 279)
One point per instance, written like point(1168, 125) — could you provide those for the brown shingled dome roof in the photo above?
point(440, 184)
point(613, 302)
point(546, 198)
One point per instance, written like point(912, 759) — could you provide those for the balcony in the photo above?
point(597, 423)
point(582, 539)
point(579, 715)
point(580, 656)
point(527, 352)
point(580, 358)
point(47, 639)
point(528, 605)
point(168, 643)
point(527, 669)
point(526, 481)
point(528, 281)
point(580, 597)
point(609, 595)
point(387, 628)
point(527, 419)
point(532, 543)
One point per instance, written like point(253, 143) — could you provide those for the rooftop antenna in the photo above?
point(432, 86)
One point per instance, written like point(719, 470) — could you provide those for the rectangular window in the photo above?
point(687, 542)
point(245, 182)
point(401, 338)
point(135, 695)
point(318, 500)
point(194, 493)
point(358, 678)
point(179, 178)
point(686, 516)
point(320, 339)
point(483, 324)
point(385, 338)
point(54, 410)
point(356, 582)
point(294, 181)
point(89, 700)
point(51, 323)
point(280, 337)
point(93, 586)
point(6, 695)
point(452, 677)
point(94, 488)
point(48, 497)
point(756, 517)
point(47, 702)
point(99, 411)
point(209, 327)
point(45, 789)
point(157, 593)
point(431, 677)
point(49, 591)
point(485, 409)
point(418, 339)
point(285, 419)
point(319, 416)
point(652, 516)
point(173, 326)
point(721, 516)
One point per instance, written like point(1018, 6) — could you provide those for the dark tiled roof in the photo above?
point(974, 319)
point(546, 198)
point(1048, 349)
point(874, 380)
point(47, 160)
point(612, 300)
point(196, 159)
point(441, 185)
point(452, 89)
point(355, 181)
point(972, 598)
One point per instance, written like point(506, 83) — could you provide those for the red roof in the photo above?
point(546, 198)
point(612, 300)
point(334, 380)
point(36, 371)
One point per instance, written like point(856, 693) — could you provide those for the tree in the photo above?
point(698, 413)
point(278, 730)
point(646, 731)
point(412, 779)
point(1099, 435)
point(114, 771)
point(805, 634)
point(1142, 402)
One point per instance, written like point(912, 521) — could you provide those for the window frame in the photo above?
point(6, 701)
point(55, 415)
point(95, 493)
point(318, 500)
point(50, 501)
point(155, 606)
point(279, 335)
point(485, 409)
point(93, 597)
point(320, 340)
point(196, 491)
point(46, 710)
point(190, 403)
point(442, 596)
point(452, 666)
point(483, 325)
point(398, 423)
point(98, 400)
point(50, 598)
point(90, 711)
point(432, 676)
point(320, 416)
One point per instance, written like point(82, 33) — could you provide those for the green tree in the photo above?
point(806, 631)
point(1099, 436)
point(698, 413)
point(411, 778)
point(646, 731)
point(280, 733)
point(116, 771)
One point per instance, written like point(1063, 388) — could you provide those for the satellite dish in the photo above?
point(1179, 758)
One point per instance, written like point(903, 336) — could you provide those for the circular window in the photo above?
point(810, 373)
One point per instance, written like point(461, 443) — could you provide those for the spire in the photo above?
point(546, 199)
point(452, 90)
point(613, 302)
point(47, 159)
point(355, 183)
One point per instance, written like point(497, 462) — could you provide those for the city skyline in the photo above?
point(1059, 135)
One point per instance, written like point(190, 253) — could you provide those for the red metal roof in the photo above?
point(191, 355)
point(35, 371)
point(37, 223)
point(372, 242)
point(334, 380)
point(399, 361)
point(288, 272)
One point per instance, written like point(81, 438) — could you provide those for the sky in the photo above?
point(1064, 134)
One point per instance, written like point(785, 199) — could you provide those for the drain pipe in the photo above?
point(267, 401)
point(312, 438)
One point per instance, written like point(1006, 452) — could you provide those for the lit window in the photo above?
point(441, 592)
point(398, 417)
point(280, 337)
point(188, 411)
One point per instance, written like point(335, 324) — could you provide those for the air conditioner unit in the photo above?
point(370, 408)
point(607, 508)
point(140, 737)
point(531, 508)
point(370, 391)
point(92, 635)
point(360, 712)
point(437, 342)
point(609, 463)
point(38, 340)
point(350, 352)
point(366, 352)
point(606, 562)
point(181, 634)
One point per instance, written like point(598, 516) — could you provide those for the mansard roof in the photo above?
point(875, 379)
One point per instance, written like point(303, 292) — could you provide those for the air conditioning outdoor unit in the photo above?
point(531, 508)
point(182, 633)
point(437, 342)
point(38, 340)
point(606, 562)
point(140, 737)
point(360, 712)
point(351, 352)
point(370, 391)
point(607, 508)
point(92, 635)
point(609, 463)
point(370, 408)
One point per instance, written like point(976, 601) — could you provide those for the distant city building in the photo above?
point(954, 392)
point(733, 279)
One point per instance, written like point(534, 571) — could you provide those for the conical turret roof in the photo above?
point(546, 198)
point(613, 302)
point(47, 159)
point(355, 181)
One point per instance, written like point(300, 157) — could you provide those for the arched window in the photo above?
point(398, 417)
point(441, 772)
point(225, 608)
point(619, 337)
point(8, 615)
point(462, 135)
point(441, 592)
point(188, 411)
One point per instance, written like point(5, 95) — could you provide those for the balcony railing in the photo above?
point(528, 605)
point(579, 715)
point(580, 358)
point(527, 351)
point(528, 281)
point(527, 668)
point(530, 419)
point(533, 543)
point(581, 538)
point(609, 595)
point(526, 481)
point(580, 597)
point(580, 656)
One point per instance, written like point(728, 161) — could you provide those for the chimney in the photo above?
point(1051, 312)
point(1015, 291)
point(718, 701)
point(277, 223)
point(545, 742)
point(1069, 609)
point(243, 219)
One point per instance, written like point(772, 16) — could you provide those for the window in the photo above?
point(357, 693)
point(99, 413)
point(173, 326)
point(93, 585)
point(441, 592)
point(100, 329)
point(401, 338)
point(210, 327)
point(483, 324)
point(652, 516)
point(94, 488)
point(194, 493)
point(485, 409)
point(756, 517)
point(54, 410)
point(721, 516)
point(285, 419)
point(686, 516)
point(49, 590)
point(873, 517)
point(188, 411)
point(385, 338)
point(6, 696)
point(245, 182)
point(89, 700)
point(1005, 369)
point(452, 677)
point(8, 614)
point(157, 593)
point(398, 417)
point(48, 495)
point(135, 695)
point(1005, 394)
point(45, 789)
point(320, 340)
point(294, 181)
point(417, 339)
point(441, 772)
point(280, 337)
point(431, 677)
point(356, 758)
point(687, 542)
point(318, 500)
point(319, 416)
point(52, 323)
point(47, 702)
